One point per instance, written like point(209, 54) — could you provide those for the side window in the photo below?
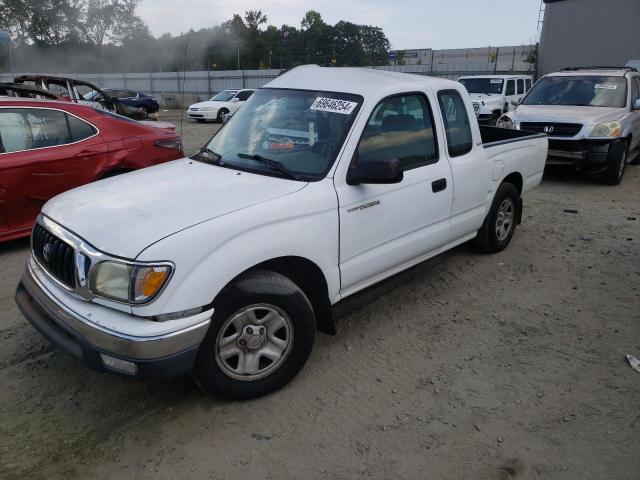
point(243, 96)
point(511, 87)
point(456, 122)
point(528, 81)
point(79, 129)
point(400, 128)
point(520, 86)
point(31, 128)
point(635, 89)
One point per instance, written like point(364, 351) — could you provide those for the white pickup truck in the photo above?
point(225, 264)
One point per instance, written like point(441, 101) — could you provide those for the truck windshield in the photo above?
point(287, 133)
point(579, 91)
point(483, 85)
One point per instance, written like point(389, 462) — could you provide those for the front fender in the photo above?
point(211, 254)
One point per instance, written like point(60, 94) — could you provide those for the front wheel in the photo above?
point(261, 335)
point(500, 223)
point(616, 162)
point(221, 114)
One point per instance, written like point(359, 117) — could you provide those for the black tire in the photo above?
point(260, 287)
point(221, 113)
point(487, 239)
point(616, 162)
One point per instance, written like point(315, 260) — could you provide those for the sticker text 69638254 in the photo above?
point(333, 105)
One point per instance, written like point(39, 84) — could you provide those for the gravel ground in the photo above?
point(467, 366)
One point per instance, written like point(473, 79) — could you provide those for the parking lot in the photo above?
point(467, 366)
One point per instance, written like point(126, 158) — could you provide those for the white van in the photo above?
point(491, 95)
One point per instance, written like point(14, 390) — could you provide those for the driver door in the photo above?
point(384, 228)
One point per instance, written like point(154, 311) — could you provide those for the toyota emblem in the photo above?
point(548, 129)
point(46, 252)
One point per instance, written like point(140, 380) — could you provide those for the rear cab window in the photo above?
point(456, 123)
point(400, 127)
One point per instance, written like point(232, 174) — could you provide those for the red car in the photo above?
point(48, 147)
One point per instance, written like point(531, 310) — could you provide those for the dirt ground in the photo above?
point(468, 366)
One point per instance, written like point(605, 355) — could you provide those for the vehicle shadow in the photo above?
point(14, 245)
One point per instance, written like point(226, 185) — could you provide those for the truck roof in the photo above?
point(359, 81)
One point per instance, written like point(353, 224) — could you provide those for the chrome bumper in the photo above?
point(44, 312)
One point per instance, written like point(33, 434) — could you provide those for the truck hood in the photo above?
point(566, 114)
point(123, 215)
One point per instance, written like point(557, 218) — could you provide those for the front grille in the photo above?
point(55, 255)
point(552, 129)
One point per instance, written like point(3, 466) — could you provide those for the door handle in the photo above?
point(439, 185)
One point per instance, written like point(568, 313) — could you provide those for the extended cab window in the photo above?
point(456, 122)
point(520, 86)
point(31, 128)
point(511, 87)
point(400, 128)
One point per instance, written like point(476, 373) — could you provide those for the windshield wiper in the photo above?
point(272, 164)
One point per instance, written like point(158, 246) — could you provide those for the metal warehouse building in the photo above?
point(579, 33)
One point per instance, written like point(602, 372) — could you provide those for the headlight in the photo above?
point(131, 283)
point(206, 109)
point(607, 129)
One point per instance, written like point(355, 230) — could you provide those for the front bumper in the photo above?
point(200, 115)
point(153, 356)
point(588, 155)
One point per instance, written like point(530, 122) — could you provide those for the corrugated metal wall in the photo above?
point(580, 33)
point(200, 85)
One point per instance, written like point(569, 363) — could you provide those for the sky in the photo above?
point(407, 23)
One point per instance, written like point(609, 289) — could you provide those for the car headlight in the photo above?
point(607, 129)
point(129, 282)
point(206, 109)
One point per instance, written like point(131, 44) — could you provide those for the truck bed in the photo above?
point(492, 136)
point(515, 151)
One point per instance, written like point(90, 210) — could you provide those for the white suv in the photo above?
point(217, 107)
point(492, 95)
point(591, 115)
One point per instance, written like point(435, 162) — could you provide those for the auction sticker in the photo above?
point(496, 80)
point(333, 105)
point(606, 86)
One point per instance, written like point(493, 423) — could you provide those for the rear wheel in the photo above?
point(500, 224)
point(616, 163)
point(260, 337)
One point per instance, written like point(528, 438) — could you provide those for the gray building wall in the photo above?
point(580, 33)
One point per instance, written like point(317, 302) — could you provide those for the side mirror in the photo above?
point(515, 103)
point(636, 104)
point(375, 172)
point(235, 99)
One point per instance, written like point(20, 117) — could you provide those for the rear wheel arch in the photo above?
point(516, 180)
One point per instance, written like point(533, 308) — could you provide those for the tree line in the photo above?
point(102, 36)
